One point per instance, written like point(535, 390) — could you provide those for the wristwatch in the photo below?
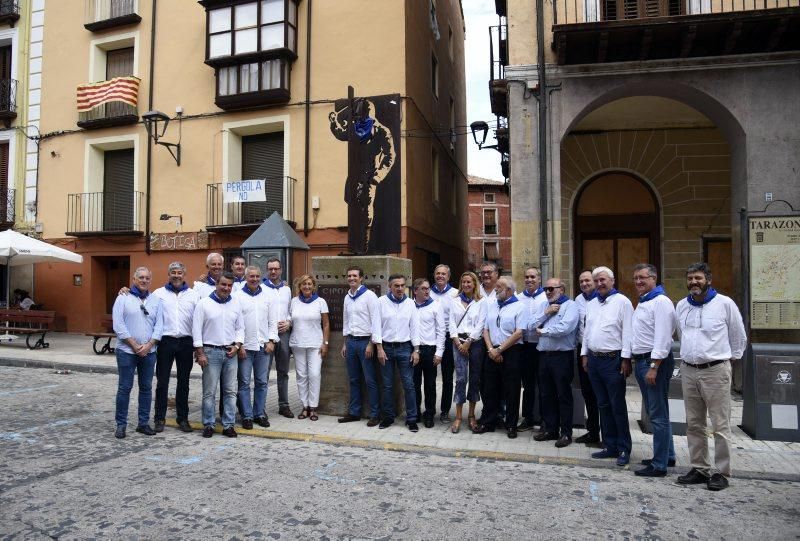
point(326, 343)
point(653, 364)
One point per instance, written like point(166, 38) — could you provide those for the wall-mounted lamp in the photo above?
point(479, 130)
point(156, 122)
point(165, 217)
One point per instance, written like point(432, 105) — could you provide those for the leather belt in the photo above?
point(359, 337)
point(212, 346)
point(396, 344)
point(641, 356)
point(604, 353)
point(703, 366)
point(463, 335)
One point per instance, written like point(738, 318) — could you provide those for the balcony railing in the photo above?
point(279, 198)
point(9, 12)
point(498, 51)
point(105, 213)
point(7, 211)
point(115, 113)
point(8, 101)
point(102, 14)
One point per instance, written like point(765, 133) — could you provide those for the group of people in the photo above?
point(505, 347)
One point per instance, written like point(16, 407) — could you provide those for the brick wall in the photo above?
point(476, 206)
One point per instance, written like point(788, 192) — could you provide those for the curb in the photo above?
point(72, 367)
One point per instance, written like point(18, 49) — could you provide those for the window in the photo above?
point(491, 251)
point(434, 75)
point(488, 197)
point(118, 197)
point(490, 221)
point(262, 158)
point(435, 177)
point(252, 77)
point(252, 27)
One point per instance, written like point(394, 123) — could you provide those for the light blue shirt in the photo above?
point(559, 331)
point(511, 317)
point(130, 320)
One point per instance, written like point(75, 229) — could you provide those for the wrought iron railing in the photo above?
point(8, 96)
point(105, 212)
point(498, 51)
point(279, 198)
point(107, 111)
point(588, 11)
point(106, 10)
point(8, 211)
point(9, 7)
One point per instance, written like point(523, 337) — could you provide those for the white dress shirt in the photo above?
point(399, 321)
point(238, 284)
point(445, 301)
point(653, 325)
point(260, 325)
point(307, 322)
point(361, 315)
point(581, 301)
point(503, 322)
point(469, 320)
point(178, 310)
point(204, 289)
point(491, 295)
point(608, 325)
point(535, 305)
point(280, 297)
point(217, 324)
point(711, 332)
point(432, 331)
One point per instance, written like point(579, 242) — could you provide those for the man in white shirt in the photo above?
point(606, 353)
point(653, 325)
point(592, 436)
point(535, 301)
point(488, 277)
point(238, 266)
point(217, 336)
point(177, 302)
point(443, 292)
point(255, 356)
point(712, 334)
point(361, 322)
point(398, 345)
point(280, 294)
point(431, 347)
point(215, 264)
point(506, 319)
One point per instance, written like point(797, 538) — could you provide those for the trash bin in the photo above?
point(677, 411)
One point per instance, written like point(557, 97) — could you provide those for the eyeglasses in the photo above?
point(550, 289)
point(144, 310)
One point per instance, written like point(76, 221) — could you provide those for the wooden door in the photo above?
point(118, 274)
point(718, 253)
point(621, 255)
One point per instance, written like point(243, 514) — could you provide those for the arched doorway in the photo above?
point(616, 219)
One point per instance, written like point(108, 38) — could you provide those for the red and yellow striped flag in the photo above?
point(124, 89)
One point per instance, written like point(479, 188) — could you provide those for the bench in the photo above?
point(107, 323)
point(28, 322)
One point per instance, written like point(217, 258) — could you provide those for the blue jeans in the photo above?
point(656, 402)
point(358, 364)
point(256, 363)
point(609, 387)
point(398, 354)
point(219, 365)
point(127, 365)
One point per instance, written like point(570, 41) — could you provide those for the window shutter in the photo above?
point(118, 202)
point(262, 158)
point(6, 208)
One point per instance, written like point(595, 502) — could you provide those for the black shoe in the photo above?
point(587, 439)
point(373, 421)
point(413, 427)
point(208, 431)
point(605, 453)
point(120, 432)
point(286, 412)
point(247, 424)
point(349, 418)
point(428, 422)
point(545, 436)
point(563, 441)
point(483, 429)
point(445, 417)
point(694, 477)
point(147, 430)
point(717, 482)
point(184, 426)
point(650, 471)
point(229, 432)
point(386, 423)
point(262, 421)
point(623, 459)
point(648, 461)
point(525, 425)
point(158, 426)
point(511, 433)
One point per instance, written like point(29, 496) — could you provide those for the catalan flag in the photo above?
point(124, 89)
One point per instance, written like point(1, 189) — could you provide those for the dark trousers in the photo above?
point(589, 399)
point(609, 387)
point(425, 368)
point(556, 370)
point(501, 383)
point(448, 368)
point(529, 368)
point(179, 350)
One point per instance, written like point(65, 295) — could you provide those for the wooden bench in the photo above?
point(28, 322)
point(107, 323)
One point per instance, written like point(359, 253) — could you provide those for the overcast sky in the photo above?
point(479, 16)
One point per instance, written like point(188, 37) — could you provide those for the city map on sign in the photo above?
point(775, 272)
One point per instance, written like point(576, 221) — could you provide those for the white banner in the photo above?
point(243, 191)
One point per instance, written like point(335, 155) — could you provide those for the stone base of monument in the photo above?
point(331, 276)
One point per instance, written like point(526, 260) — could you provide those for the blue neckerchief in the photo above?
point(360, 291)
point(247, 290)
point(590, 296)
point(396, 301)
point(239, 280)
point(710, 294)
point(603, 299)
point(218, 300)
point(464, 298)
point(308, 300)
point(268, 283)
point(534, 294)
point(438, 291)
point(424, 304)
point(561, 300)
point(169, 287)
point(363, 128)
point(652, 294)
point(138, 293)
point(210, 281)
point(511, 300)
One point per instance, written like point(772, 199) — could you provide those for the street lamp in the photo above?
point(479, 127)
point(151, 124)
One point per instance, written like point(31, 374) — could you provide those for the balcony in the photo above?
point(498, 60)
point(105, 214)
point(103, 14)
point(108, 114)
point(222, 216)
point(9, 12)
point(8, 101)
point(7, 211)
point(600, 31)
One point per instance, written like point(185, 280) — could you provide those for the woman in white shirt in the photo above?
point(467, 317)
point(309, 342)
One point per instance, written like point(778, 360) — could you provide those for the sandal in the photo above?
point(312, 414)
point(303, 414)
point(473, 424)
point(456, 426)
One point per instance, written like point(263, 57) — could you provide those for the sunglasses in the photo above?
point(550, 289)
point(144, 310)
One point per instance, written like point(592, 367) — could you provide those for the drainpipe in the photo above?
point(307, 149)
point(543, 94)
point(149, 142)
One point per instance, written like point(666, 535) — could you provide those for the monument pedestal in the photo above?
point(331, 276)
